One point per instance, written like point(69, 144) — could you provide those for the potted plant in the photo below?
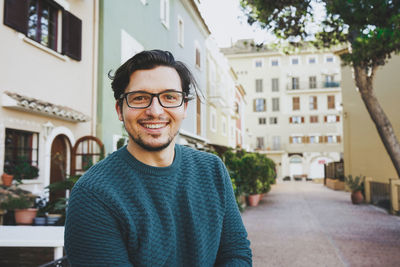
point(8, 174)
point(23, 207)
point(24, 170)
point(356, 186)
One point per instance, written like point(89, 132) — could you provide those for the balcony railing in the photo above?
point(311, 86)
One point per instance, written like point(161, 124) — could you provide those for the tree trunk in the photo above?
point(364, 83)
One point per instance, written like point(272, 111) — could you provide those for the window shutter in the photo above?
point(302, 119)
point(290, 140)
point(337, 118)
point(303, 139)
point(321, 139)
point(325, 139)
point(71, 36)
point(254, 105)
point(16, 14)
point(325, 118)
point(265, 104)
point(307, 139)
point(290, 120)
point(338, 139)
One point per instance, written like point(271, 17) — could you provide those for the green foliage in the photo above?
point(24, 170)
point(252, 172)
point(371, 27)
point(17, 202)
point(356, 183)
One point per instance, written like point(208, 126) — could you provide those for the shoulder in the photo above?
point(188, 152)
point(102, 173)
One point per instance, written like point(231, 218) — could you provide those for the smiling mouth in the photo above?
point(153, 124)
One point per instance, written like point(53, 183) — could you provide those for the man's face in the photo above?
point(153, 128)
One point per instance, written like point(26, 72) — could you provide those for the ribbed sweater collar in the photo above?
point(151, 170)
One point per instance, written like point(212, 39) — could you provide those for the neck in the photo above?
point(163, 158)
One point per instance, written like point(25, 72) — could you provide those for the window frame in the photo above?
point(313, 102)
point(181, 31)
point(256, 105)
point(164, 11)
point(18, 137)
point(275, 84)
point(275, 104)
point(259, 85)
point(296, 103)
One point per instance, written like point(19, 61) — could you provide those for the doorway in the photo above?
point(58, 164)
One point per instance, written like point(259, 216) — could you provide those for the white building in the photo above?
point(294, 111)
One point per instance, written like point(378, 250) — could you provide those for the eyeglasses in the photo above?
point(167, 99)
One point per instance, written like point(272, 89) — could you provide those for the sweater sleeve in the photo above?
point(234, 249)
point(92, 236)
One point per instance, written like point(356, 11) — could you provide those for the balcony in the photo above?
point(312, 86)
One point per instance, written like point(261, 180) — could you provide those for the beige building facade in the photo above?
point(225, 101)
point(364, 152)
point(294, 112)
point(48, 85)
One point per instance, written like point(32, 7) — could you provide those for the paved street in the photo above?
point(306, 224)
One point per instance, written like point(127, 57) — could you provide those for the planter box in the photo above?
point(334, 184)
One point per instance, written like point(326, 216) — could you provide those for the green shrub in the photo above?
point(356, 183)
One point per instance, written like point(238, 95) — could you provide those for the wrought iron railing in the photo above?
point(62, 262)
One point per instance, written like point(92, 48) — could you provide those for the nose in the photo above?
point(155, 107)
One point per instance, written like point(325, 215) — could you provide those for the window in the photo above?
point(294, 61)
point(296, 103)
point(330, 139)
point(262, 121)
point(274, 62)
point(276, 142)
point(312, 82)
point(258, 63)
point(198, 57)
point(330, 81)
point(313, 139)
point(224, 128)
point(181, 31)
point(21, 146)
point(164, 12)
point(314, 119)
point(275, 84)
point(313, 103)
point(259, 104)
point(331, 102)
point(275, 104)
point(296, 119)
point(312, 60)
point(295, 83)
point(296, 139)
point(260, 143)
point(329, 59)
point(40, 21)
point(213, 119)
point(273, 120)
point(332, 118)
point(259, 85)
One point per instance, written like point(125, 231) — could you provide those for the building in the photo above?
point(294, 114)
point(128, 27)
point(225, 101)
point(364, 153)
point(48, 86)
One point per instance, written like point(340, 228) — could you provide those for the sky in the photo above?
point(228, 24)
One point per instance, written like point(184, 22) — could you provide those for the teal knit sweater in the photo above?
point(123, 212)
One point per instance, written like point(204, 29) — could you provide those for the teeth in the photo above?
point(154, 126)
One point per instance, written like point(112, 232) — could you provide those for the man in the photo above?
point(153, 202)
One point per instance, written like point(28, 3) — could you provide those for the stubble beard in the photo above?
point(139, 141)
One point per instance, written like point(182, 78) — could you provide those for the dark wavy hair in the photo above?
point(147, 60)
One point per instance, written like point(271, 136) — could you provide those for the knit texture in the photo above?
point(123, 212)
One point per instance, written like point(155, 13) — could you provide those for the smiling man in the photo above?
point(153, 202)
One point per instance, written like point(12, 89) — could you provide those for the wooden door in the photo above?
point(58, 166)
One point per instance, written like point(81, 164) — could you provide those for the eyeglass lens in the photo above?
point(143, 99)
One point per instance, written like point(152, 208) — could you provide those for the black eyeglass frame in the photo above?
point(185, 98)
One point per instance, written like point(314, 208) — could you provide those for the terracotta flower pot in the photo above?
point(7, 179)
point(25, 216)
point(254, 199)
point(357, 197)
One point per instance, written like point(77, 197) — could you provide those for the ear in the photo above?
point(118, 108)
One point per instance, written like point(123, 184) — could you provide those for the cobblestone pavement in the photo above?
point(307, 224)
